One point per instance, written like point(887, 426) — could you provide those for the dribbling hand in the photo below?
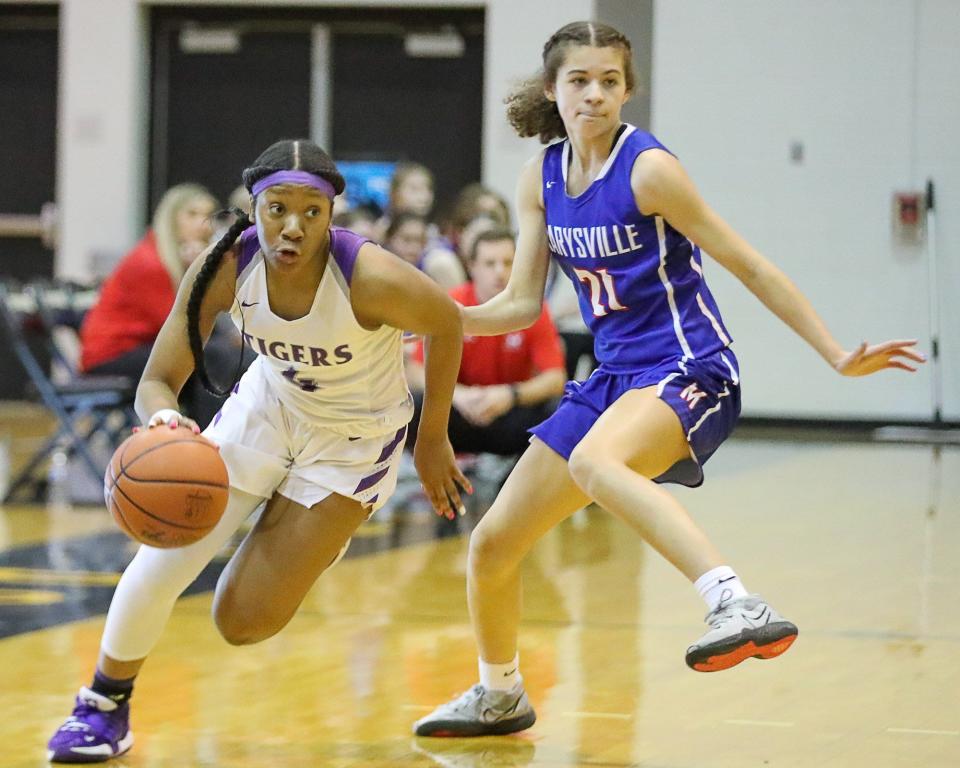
point(870, 358)
point(172, 419)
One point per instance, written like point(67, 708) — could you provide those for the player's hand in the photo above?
point(870, 358)
point(172, 419)
point(440, 476)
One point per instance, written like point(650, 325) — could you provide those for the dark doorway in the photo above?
point(28, 130)
point(28, 138)
point(240, 79)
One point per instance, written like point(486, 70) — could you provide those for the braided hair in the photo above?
point(529, 111)
point(286, 155)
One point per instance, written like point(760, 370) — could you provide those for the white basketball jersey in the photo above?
point(325, 367)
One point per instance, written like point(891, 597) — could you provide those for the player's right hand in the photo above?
point(172, 419)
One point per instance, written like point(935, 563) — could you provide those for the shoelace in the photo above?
point(464, 698)
point(77, 721)
point(73, 723)
point(723, 612)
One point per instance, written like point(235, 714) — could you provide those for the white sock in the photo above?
point(500, 677)
point(720, 585)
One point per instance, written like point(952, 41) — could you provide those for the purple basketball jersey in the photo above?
point(640, 282)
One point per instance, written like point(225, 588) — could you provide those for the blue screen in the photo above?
point(368, 181)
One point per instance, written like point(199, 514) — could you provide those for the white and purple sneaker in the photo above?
point(98, 729)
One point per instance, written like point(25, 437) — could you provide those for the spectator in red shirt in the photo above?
point(119, 330)
point(507, 384)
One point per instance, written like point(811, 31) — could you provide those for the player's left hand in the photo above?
point(870, 358)
point(440, 476)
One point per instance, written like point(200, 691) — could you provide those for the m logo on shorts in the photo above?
point(692, 395)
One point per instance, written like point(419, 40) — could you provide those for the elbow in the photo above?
point(448, 322)
point(528, 313)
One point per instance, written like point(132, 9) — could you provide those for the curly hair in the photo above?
point(286, 155)
point(529, 111)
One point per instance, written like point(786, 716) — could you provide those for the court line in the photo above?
point(599, 715)
point(16, 575)
point(763, 723)
point(923, 731)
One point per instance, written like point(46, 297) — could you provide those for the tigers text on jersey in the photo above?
point(325, 367)
point(639, 282)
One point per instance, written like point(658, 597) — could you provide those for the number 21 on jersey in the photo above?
point(603, 294)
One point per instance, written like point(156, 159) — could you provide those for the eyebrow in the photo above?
point(584, 72)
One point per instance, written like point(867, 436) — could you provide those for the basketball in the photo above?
point(166, 487)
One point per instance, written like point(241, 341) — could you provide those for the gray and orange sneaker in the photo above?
point(98, 729)
point(740, 629)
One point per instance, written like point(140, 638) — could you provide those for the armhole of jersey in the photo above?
point(543, 200)
point(345, 248)
point(633, 165)
point(247, 256)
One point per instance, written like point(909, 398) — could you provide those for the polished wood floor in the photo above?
point(857, 543)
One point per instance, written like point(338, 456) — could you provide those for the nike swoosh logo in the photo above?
point(507, 674)
point(723, 581)
point(251, 304)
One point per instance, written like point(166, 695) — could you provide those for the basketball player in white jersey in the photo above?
point(315, 428)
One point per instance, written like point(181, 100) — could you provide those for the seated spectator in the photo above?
point(411, 190)
point(507, 384)
point(476, 207)
point(240, 198)
point(119, 330)
point(361, 220)
point(406, 237)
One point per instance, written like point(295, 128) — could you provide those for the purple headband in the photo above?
point(294, 177)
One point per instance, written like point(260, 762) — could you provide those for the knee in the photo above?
point(491, 555)
point(239, 626)
point(587, 469)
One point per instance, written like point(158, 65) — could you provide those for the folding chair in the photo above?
point(84, 405)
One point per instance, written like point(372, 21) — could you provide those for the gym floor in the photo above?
point(854, 541)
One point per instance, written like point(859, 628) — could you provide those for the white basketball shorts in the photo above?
point(268, 450)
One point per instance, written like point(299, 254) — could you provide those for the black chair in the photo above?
point(35, 318)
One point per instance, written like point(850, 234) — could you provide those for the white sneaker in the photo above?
point(480, 712)
point(739, 629)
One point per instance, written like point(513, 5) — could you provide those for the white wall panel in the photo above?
point(734, 86)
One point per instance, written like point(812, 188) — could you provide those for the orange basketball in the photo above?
point(166, 487)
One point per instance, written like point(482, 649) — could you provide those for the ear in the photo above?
point(550, 93)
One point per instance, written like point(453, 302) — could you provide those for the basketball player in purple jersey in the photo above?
point(313, 432)
point(618, 213)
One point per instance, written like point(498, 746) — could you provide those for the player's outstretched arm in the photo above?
point(388, 291)
point(662, 187)
point(518, 306)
